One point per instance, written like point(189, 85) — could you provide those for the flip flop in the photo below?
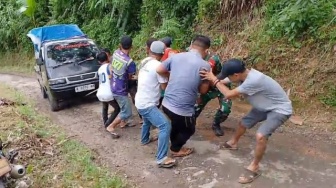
point(152, 139)
point(114, 135)
point(128, 125)
point(187, 152)
point(226, 146)
point(249, 176)
point(168, 163)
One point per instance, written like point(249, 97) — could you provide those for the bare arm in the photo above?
point(162, 71)
point(163, 86)
point(132, 76)
point(165, 67)
point(208, 75)
point(226, 91)
point(225, 81)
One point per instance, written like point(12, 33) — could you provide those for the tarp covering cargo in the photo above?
point(53, 32)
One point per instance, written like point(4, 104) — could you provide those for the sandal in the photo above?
point(113, 134)
point(226, 146)
point(168, 163)
point(249, 176)
point(128, 125)
point(183, 152)
point(152, 139)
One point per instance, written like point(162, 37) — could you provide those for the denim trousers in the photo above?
point(153, 116)
point(125, 107)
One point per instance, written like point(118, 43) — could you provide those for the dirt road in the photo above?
point(292, 160)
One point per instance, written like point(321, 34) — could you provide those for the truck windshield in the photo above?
point(70, 52)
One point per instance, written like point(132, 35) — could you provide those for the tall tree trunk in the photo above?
point(120, 18)
point(125, 22)
point(113, 10)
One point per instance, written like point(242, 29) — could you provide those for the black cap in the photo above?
point(102, 57)
point(126, 42)
point(167, 41)
point(231, 67)
point(106, 50)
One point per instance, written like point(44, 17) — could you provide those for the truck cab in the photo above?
point(66, 67)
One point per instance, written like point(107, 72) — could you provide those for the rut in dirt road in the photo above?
point(288, 162)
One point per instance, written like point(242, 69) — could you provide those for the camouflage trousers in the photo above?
point(223, 110)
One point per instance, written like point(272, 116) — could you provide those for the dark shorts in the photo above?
point(272, 121)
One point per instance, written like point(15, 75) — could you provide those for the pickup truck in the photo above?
point(66, 63)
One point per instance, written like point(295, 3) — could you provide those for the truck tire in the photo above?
point(54, 104)
point(44, 93)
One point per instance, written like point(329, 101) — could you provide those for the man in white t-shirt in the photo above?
point(104, 93)
point(146, 101)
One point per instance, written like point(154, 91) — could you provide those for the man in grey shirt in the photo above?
point(181, 92)
point(269, 101)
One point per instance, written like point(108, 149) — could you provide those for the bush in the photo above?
point(208, 9)
point(172, 28)
point(298, 18)
point(330, 98)
point(102, 33)
point(14, 27)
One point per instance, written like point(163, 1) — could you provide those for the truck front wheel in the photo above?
point(44, 93)
point(54, 104)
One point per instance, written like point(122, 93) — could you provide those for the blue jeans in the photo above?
point(153, 116)
point(125, 106)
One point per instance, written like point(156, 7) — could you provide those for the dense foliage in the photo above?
point(106, 20)
point(299, 18)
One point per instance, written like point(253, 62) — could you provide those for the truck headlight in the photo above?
point(57, 81)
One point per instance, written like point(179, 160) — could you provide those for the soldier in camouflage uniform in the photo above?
point(224, 104)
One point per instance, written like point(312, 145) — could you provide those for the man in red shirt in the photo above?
point(168, 50)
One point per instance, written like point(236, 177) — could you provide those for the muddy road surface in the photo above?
point(293, 159)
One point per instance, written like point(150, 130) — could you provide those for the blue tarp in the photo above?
point(54, 32)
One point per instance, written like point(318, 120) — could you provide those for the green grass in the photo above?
point(71, 163)
point(330, 98)
point(17, 62)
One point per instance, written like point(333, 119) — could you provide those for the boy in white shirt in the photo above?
point(104, 93)
point(146, 101)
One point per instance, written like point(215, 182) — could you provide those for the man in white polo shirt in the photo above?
point(146, 101)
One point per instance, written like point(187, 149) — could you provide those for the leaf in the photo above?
point(29, 169)
point(28, 7)
point(22, 9)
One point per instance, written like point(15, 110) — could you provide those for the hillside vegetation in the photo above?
point(52, 158)
point(290, 40)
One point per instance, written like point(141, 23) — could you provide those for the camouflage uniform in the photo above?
point(224, 104)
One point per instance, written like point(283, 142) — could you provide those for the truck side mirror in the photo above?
point(39, 61)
